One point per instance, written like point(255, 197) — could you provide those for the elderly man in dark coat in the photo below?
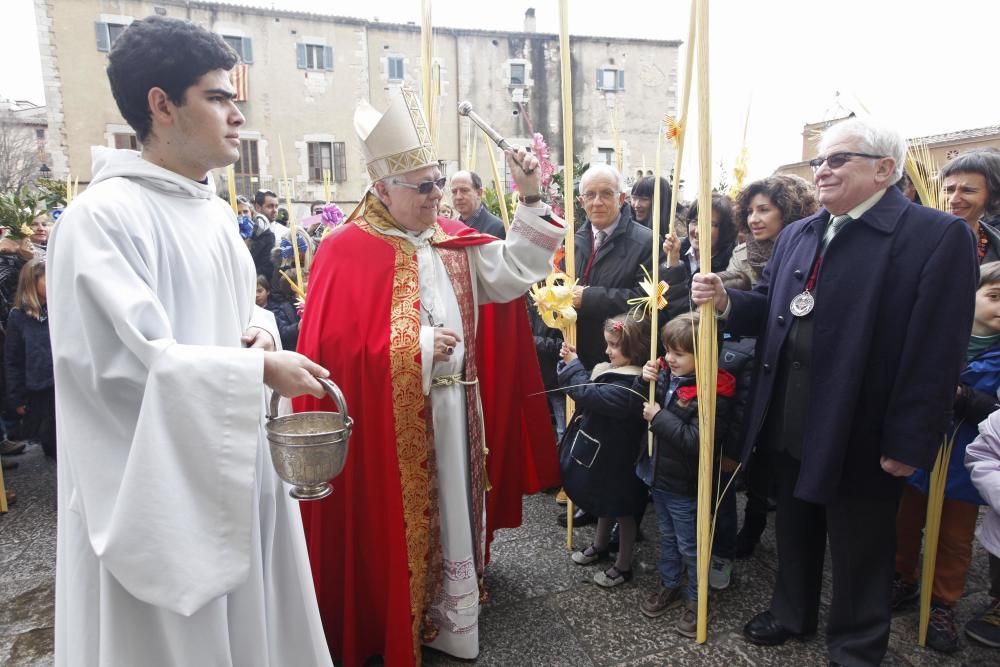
point(611, 249)
point(863, 313)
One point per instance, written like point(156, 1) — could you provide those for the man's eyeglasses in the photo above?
point(838, 160)
point(425, 187)
point(603, 194)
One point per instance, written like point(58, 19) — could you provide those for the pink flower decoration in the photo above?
point(332, 215)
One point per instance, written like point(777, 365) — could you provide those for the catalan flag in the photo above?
point(240, 77)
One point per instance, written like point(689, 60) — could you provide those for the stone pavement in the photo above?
point(544, 609)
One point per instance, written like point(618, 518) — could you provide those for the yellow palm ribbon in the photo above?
point(554, 300)
point(654, 299)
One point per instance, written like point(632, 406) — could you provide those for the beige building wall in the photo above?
point(288, 107)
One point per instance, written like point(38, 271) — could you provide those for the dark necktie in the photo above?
point(837, 223)
point(598, 243)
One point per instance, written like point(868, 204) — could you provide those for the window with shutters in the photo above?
point(396, 67)
point(320, 159)
point(107, 34)
point(517, 74)
point(607, 155)
point(242, 46)
point(339, 162)
point(610, 79)
point(126, 140)
point(247, 167)
point(314, 56)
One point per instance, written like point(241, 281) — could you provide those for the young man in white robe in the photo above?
point(177, 544)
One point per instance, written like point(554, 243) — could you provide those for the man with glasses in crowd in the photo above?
point(611, 251)
point(863, 315)
point(398, 550)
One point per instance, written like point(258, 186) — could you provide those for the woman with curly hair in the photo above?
point(765, 207)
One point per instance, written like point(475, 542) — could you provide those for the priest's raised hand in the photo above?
point(524, 169)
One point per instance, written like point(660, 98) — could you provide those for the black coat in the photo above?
point(894, 306)
point(598, 452)
point(27, 357)
point(720, 260)
point(260, 249)
point(548, 342)
point(287, 319)
point(614, 279)
point(678, 278)
point(676, 427)
point(484, 221)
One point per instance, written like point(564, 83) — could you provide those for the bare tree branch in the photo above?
point(19, 157)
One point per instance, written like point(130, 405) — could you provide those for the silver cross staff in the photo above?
point(465, 109)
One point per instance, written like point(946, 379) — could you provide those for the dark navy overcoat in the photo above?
point(894, 305)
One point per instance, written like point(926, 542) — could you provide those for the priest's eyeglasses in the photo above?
point(838, 160)
point(425, 187)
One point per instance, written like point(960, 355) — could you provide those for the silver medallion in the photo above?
point(802, 304)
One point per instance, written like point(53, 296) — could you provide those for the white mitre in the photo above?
point(397, 141)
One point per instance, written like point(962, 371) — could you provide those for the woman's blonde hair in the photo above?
point(26, 297)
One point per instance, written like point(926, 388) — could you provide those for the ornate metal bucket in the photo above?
point(309, 448)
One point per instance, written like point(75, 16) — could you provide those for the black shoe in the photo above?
point(985, 627)
point(745, 544)
point(10, 448)
point(580, 518)
point(904, 593)
point(764, 629)
point(942, 631)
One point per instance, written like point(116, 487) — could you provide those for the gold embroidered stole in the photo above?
point(414, 432)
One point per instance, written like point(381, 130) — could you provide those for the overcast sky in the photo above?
point(924, 67)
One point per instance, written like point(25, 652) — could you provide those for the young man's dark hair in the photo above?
point(261, 196)
point(159, 52)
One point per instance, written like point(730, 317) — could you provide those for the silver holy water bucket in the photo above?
point(309, 448)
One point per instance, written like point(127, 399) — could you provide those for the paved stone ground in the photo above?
point(544, 610)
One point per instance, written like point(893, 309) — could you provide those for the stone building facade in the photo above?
point(305, 73)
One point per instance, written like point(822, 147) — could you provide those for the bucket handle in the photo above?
point(332, 390)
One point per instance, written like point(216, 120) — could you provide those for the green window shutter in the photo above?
point(328, 58)
point(621, 79)
point(247, 51)
point(300, 56)
point(103, 40)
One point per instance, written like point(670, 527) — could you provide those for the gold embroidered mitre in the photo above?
point(397, 141)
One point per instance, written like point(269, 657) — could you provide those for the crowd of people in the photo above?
point(855, 380)
point(858, 329)
point(27, 412)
